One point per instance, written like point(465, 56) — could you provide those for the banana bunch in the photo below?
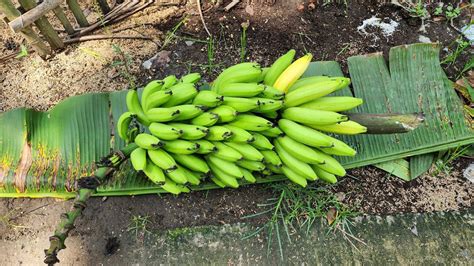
point(251, 123)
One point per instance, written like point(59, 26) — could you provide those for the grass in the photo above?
point(8, 220)
point(138, 225)
point(445, 159)
point(123, 64)
point(243, 41)
point(171, 35)
point(296, 209)
point(460, 46)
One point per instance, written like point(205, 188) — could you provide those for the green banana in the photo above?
point(264, 73)
point(314, 117)
point(240, 135)
point(134, 106)
point(227, 167)
point(156, 99)
point(178, 175)
point(241, 76)
point(278, 67)
point(335, 104)
point(325, 176)
point(191, 78)
point(248, 176)
point(150, 88)
point(165, 131)
point(208, 98)
point(293, 176)
point(218, 182)
point(251, 122)
point(206, 119)
point(268, 105)
point(182, 92)
point(271, 157)
point(224, 177)
point(304, 134)
point(240, 104)
point(251, 165)
point(181, 146)
point(162, 159)
point(313, 91)
point(191, 177)
point(154, 173)
point(205, 146)
point(226, 153)
point(338, 148)
point(217, 133)
point(272, 132)
point(148, 142)
point(169, 81)
point(307, 81)
point(192, 162)
point(247, 151)
point(123, 124)
point(261, 142)
point(138, 159)
point(189, 111)
point(330, 164)
point(241, 89)
point(191, 132)
point(271, 115)
point(226, 113)
point(162, 114)
point(271, 93)
point(343, 128)
point(132, 134)
point(300, 151)
point(274, 169)
point(296, 165)
point(171, 187)
point(230, 71)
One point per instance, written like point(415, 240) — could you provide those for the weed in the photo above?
point(210, 53)
point(297, 208)
point(138, 225)
point(418, 10)
point(23, 52)
point(123, 64)
point(344, 49)
point(445, 158)
point(243, 41)
point(8, 220)
point(461, 45)
point(171, 35)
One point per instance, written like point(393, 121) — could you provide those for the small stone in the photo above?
point(424, 39)
point(469, 173)
point(189, 43)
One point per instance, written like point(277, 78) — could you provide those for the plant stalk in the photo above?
point(86, 187)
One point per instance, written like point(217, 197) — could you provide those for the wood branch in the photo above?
point(231, 5)
point(11, 13)
point(44, 26)
point(388, 123)
point(58, 11)
point(104, 37)
point(33, 14)
point(77, 12)
point(104, 6)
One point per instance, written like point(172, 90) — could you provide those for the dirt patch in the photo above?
point(373, 191)
point(329, 32)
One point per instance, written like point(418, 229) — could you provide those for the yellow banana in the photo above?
point(292, 73)
point(278, 67)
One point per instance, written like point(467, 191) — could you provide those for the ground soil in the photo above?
point(329, 32)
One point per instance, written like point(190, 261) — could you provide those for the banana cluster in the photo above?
point(252, 122)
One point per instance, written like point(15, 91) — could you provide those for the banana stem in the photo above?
point(388, 123)
point(86, 187)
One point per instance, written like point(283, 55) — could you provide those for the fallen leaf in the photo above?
point(331, 215)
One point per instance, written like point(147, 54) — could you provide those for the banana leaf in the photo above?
point(42, 154)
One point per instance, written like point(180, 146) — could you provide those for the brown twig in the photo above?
point(104, 37)
point(202, 17)
point(231, 5)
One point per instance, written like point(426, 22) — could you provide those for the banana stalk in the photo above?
point(86, 187)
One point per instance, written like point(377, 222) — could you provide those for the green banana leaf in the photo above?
point(43, 153)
